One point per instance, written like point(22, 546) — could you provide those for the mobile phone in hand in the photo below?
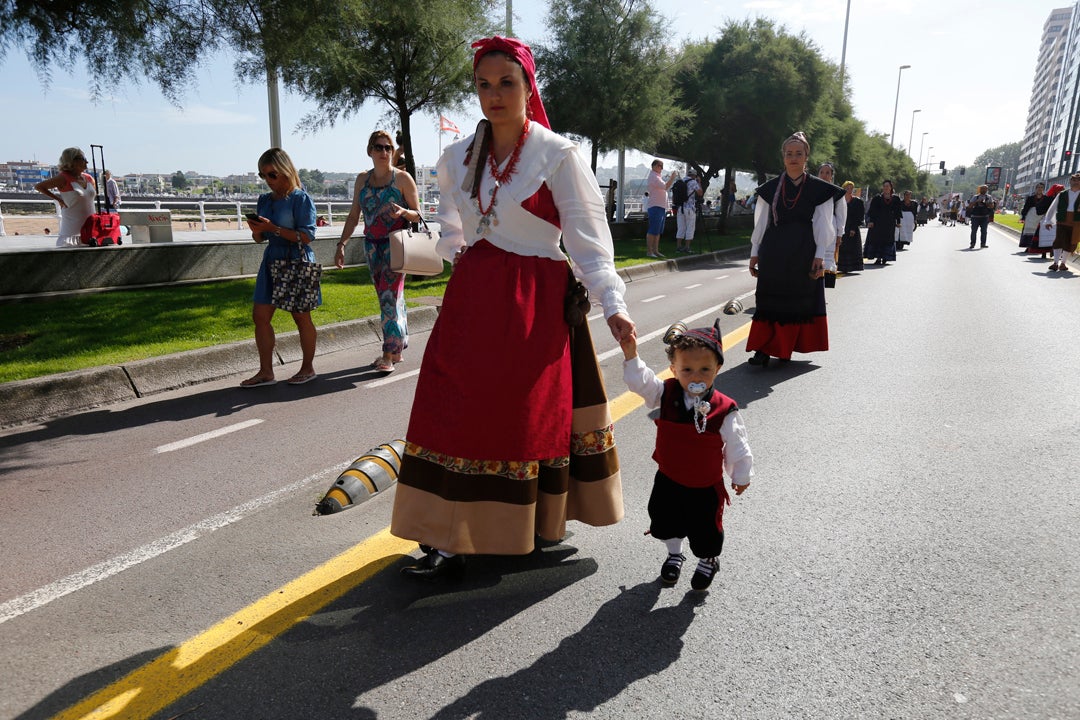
point(253, 216)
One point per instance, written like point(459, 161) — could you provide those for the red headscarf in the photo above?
point(520, 52)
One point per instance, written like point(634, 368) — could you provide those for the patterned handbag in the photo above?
point(295, 284)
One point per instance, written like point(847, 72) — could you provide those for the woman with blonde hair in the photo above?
point(74, 190)
point(388, 200)
point(286, 222)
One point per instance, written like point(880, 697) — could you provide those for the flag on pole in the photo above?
point(447, 125)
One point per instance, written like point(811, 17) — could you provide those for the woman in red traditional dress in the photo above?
point(794, 231)
point(510, 435)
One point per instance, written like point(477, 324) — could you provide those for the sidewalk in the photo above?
point(39, 399)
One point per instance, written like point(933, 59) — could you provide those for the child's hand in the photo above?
point(629, 346)
point(739, 489)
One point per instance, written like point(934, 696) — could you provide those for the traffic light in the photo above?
point(944, 171)
point(941, 165)
point(962, 170)
point(1068, 153)
point(1007, 185)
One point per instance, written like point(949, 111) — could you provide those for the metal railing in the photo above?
point(200, 205)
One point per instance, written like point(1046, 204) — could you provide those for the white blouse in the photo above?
point(546, 157)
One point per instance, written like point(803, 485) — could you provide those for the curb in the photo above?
point(24, 402)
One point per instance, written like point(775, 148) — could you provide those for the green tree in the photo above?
point(179, 181)
point(136, 39)
point(410, 56)
point(1003, 156)
point(313, 181)
point(608, 75)
point(1006, 157)
point(747, 91)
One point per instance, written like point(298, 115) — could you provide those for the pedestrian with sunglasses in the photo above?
point(74, 190)
point(286, 222)
point(388, 199)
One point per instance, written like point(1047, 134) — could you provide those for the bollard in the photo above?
point(371, 472)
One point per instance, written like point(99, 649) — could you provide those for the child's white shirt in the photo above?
point(738, 460)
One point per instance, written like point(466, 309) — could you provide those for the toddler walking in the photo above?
point(699, 435)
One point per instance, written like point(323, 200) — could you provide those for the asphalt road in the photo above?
point(908, 548)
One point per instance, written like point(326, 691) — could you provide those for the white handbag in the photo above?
point(412, 252)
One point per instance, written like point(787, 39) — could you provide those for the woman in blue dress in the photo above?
point(287, 223)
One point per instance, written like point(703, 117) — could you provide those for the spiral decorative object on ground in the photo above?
point(372, 472)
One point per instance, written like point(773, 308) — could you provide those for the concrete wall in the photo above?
point(42, 271)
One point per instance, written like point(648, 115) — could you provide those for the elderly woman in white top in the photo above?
point(526, 444)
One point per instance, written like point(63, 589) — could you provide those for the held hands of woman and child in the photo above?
point(817, 268)
point(629, 348)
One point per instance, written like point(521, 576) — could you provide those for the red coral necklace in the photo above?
point(790, 204)
point(489, 217)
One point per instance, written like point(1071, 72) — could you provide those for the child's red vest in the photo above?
point(686, 456)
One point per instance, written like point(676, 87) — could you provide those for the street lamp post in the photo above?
point(921, 143)
point(843, 52)
point(911, 133)
point(896, 107)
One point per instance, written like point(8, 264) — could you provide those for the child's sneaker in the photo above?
point(669, 571)
point(704, 572)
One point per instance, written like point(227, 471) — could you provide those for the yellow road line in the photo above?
point(161, 682)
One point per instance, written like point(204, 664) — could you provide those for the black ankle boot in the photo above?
point(670, 570)
point(704, 573)
point(434, 566)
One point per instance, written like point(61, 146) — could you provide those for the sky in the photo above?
point(971, 74)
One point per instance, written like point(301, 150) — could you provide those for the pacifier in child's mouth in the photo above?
point(697, 388)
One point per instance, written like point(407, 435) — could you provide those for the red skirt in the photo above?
point(495, 382)
point(510, 435)
point(780, 341)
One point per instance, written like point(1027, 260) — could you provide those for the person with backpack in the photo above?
point(684, 199)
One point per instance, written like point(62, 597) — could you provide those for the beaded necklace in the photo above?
point(783, 192)
point(489, 217)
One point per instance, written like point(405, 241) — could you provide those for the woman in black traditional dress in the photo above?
point(1029, 235)
point(882, 219)
point(850, 256)
point(793, 231)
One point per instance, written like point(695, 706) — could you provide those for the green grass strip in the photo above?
point(45, 336)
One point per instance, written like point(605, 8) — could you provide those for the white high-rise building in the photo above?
point(1052, 135)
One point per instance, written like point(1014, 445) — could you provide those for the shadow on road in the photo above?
point(628, 639)
point(222, 402)
point(374, 635)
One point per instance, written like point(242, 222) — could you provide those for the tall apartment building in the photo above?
point(1052, 135)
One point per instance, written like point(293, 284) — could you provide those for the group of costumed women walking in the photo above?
point(1052, 222)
